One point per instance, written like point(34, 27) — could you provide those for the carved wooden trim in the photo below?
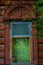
point(35, 46)
point(20, 6)
point(7, 44)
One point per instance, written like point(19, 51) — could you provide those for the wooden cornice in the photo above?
point(12, 1)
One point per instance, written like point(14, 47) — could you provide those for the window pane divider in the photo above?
point(20, 36)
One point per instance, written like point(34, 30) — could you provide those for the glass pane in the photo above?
point(20, 29)
point(20, 50)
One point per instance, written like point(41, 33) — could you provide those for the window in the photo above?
point(20, 33)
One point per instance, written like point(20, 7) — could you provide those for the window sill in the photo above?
point(26, 63)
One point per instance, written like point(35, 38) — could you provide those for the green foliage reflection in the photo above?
point(21, 50)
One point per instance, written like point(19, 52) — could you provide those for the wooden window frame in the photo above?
point(28, 36)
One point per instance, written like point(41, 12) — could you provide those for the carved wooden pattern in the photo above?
point(19, 9)
point(22, 10)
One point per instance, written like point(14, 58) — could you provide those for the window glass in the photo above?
point(20, 50)
point(21, 28)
